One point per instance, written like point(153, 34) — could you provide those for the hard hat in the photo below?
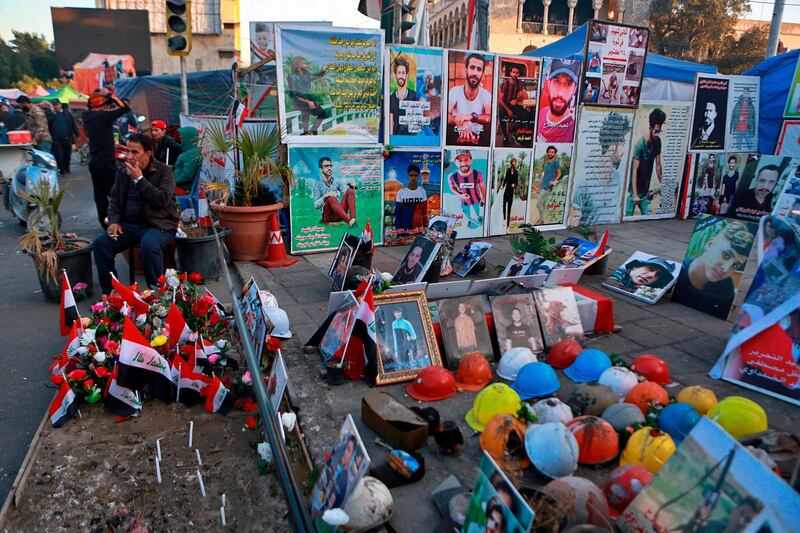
point(432, 384)
point(678, 419)
point(739, 416)
point(647, 394)
point(552, 449)
point(473, 372)
point(512, 361)
point(653, 368)
point(370, 505)
point(619, 379)
point(591, 398)
point(552, 410)
point(623, 484)
point(504, 439)
point(584, 502)
point(597, 440)
point(536, 380)
point(563, 353)
point(701, 398)
point(494, 399)
point(280, 322)
point(588, 366)
point(622, 415)
point(648, 447)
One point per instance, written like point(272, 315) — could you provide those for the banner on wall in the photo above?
point(470, 82)
point(414, 93)
point(792, 109)
point(329, 83)
point(549, 184)
point(600, 163)
point(657, 157)
point(558, 100)
point(614, 64)
point(710, 113)
point(508, 196)
point(517, 96)
point(465, 173)
point(789, 139)
point(742, 135)
point(412, 186)
point(339, 189)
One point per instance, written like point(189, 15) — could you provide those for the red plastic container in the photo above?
point(20, 137)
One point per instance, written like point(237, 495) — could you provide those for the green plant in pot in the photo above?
point(48, 248)
point(533, 241)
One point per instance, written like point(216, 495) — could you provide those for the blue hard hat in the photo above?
point(588, 366)
point(536, 380)
point(678, 419)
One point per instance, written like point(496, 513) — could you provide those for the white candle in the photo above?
point(199, 461)
point(202, 486)
point(158, 448)
point(223, 500)
point(191, 432)
point(222, 514)
point(158, 470)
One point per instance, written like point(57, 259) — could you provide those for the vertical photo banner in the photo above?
point(549, 184)
point(789, 140)
point(339, 189)
point(558, 100)
point(412, 194)
point(711, 192)
point(517, 96)
point(414, 93)
point(508, 197)
point(710, 113)
point(743, 94)
point(329, 84)
point(464, 189)
point(470, 81)
point(792, 109)
point(614, 64)
point(657, 158)
point(600, 162)
point(760, 185)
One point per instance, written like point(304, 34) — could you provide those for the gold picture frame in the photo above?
point(403, 329)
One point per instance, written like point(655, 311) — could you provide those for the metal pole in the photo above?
point(775, 29)
point(184, 88)
point(397, 23)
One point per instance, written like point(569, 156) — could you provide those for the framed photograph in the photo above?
point(464, 329)
point(469, 256)
point(412, 193)
point(342, 261)
point(517, 96)
point(558, 314)
point(416, 262)
point(495, 504)
point(339, 329)
point(278, 380)
point(470, 83)
point(516, 323)
point(404, 332)
point(644, 277)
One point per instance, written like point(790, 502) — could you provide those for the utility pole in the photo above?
point(397, 23)
point(775, 29)
point(184, 89)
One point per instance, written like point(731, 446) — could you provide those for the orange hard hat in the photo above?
point(647, 394)
point(563, 353)
point(598, 442)
point(504, 439)
point(432, 384)
point(652, 368)
point(473, 372)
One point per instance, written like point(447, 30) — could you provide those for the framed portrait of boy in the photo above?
point(405, 338)
point(464, 329)
point(516, 323)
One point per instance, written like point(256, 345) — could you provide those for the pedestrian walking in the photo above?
point(63, 131)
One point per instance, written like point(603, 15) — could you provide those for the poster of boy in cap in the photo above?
point(464, 192)
point(645, 277)
point(557, 101)
point(470, 81)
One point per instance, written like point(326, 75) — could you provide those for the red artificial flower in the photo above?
point(196, 278)
point(119, 419)
point(226, 380)
point(77, 375)
point(273, 344)
point(92, 348)
point(250, 422)
point(88, 384)
point(105, 320)
point(182, 276)
point(115, 300)
point(112, 347)
point(214, 319)
point(101, 372)
point(200, 308)
point(162, 279)
point(249, 405)
point(187, 350)
point(57, 380)
point(162, 288)
point(208, 299)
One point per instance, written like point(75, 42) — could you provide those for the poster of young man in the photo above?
point(614, 64)
point(412, 186)
point(464, 189)
point(329, 84)
point(713, 265)
point(338, 190)
point(710, 113)
point(470, 81)
point(414, 93)
point(657, 160)
point(558, 100)
point(705, 196)
point(600, 163)
point(789, 139)
point(508, 196)
point(760, 185)
point(743, 96)
point(517, 95)
point(549, 184)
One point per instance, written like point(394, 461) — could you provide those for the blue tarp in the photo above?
point(776, 75)
point(656, 66)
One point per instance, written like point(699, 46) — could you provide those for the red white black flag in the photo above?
point(130, 296)
point(64, 405)
point(218, 399)
point(142, 366)
point(120, 400)
point(69, 309)
point(178, 330)
point(190, 384)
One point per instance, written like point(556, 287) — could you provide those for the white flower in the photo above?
point(288, 420)
point(171, 272)
point(265, 451)
point(385, 276)
point(162, 311)
point(87, 337)
point(173, 282)
point(157, 322)
point(222, 344)
point(193, 337)
point(335, 517)
point(83, 350)
point(100, 357)
point(141, 319)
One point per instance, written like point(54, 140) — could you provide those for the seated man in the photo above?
point(141, 210)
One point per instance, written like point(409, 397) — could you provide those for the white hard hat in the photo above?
point(512, 361)
point(552, 449)
point(552, 410)
point(267, 299)
point(280, 322)
point(370, 505)
point(619, 379)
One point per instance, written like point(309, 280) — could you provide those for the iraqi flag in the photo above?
point(366, 237)
point(69, 309)
point(365, 359)
point(66, 361)
point(64, 405)
point(178, 330)
point(120, 400)
point(130, 296)
point(190, 384)
point(218, 399)
point(371, 8)
point(141, 366)
point(600, 251)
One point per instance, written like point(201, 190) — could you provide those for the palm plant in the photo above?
point(43, 241)
point(533, 241)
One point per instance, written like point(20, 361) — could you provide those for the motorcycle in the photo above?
point(40, 166)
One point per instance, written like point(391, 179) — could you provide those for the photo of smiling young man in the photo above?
point(469, 99)
point(557, 102)
point(758, 198)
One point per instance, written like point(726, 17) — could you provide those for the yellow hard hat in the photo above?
point(648, 447)
point(701, 398)
point(739, 416)
point(495, 399)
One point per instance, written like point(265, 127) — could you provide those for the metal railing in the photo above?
point(537, 28)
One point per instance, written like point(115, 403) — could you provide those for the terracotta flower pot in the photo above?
point(249, 229)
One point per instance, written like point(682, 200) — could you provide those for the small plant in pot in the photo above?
point(50, 250)
point(533, 241)
point(246, 205)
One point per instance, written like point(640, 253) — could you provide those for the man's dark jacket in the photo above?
point(174, 147)
point(158, 196)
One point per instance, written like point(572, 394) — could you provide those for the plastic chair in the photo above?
point(185, 201)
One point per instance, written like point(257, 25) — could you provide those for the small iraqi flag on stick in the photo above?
point(190, 385)
point(140, 365)
point(178, 330)
point(120, 400)
point(63, 406)
point(130, 296)
point(69, 309)
point(217, 398)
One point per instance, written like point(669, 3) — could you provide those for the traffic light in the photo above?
point(179, 27)
point(407, 33)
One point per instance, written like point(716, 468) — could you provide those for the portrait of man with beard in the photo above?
point(469, 106)
point(557, 118)
point(397, 109)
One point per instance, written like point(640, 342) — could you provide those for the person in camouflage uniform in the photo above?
point(36, 123)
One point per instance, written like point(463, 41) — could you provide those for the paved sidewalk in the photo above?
point(688, 340)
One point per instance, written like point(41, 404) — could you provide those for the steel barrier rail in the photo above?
point(298, 514)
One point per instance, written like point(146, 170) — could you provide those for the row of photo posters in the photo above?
point(725, 113)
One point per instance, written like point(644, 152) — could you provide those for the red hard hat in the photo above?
point(598, 442)
point(647, 394)
point(563, 353)
point(473, 372)
point(623, 484)
point(653, 368)
point(432, 384)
